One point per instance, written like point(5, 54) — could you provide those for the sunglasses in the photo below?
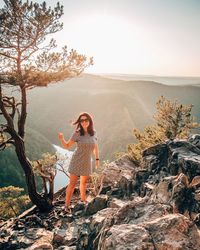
point(84, 120)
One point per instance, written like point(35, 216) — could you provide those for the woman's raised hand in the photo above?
point(60, 136)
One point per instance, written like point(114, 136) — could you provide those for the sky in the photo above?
point(157, 37)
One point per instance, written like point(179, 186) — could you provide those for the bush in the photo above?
point(172, 121)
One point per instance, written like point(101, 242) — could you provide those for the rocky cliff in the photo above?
point(152, 206)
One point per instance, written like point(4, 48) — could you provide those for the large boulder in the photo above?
point(173, 232)
point(120, 174)
point(184, 157)
point(195, 140)
point(126, 236)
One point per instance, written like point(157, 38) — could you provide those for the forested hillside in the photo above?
point(117, 107)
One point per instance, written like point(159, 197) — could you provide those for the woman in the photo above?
point(80, 165)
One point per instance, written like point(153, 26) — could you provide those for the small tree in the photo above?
point(46, 169)
point(12, 202)
point(28, 60)
point(172, 120)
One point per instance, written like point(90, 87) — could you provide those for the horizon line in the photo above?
point(132, 74)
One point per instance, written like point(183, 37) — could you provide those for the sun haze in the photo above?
point(134, 36)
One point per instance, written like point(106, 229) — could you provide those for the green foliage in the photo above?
point(11, 172)
point(13, 201)
point(173, 121)
point(45, 167)
point(28, 59)
point(28, 56)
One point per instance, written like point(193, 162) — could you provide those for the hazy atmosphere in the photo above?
point(100, 124)
point(154, 37)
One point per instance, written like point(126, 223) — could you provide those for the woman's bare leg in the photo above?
point(83, 183)
point(70, 189)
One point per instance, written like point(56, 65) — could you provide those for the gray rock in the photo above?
point(195, 140)
point(116, 169)
point(59, 236)
point(116, 203)
point(124, 237)
point(98, 203)
point(174, 232)
point(66, 248)
point(136, 210)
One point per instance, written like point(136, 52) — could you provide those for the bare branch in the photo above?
point(8, 56)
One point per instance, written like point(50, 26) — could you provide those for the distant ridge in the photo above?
point(167, 80)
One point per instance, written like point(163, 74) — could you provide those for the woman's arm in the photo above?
point(96, 151)
point(65, 144)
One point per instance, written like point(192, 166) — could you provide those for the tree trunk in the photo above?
point(42, 201)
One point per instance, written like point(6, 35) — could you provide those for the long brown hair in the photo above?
point(90, 128)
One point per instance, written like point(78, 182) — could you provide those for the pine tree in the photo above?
point(172, 121)
point(28, 60)
point(12, 201)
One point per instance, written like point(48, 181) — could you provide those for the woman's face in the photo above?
point(84, 121)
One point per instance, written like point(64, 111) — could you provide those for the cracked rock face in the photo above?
point(171, 231)
point(152, 206)
point(127, 236)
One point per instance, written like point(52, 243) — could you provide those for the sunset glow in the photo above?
point(134, 36)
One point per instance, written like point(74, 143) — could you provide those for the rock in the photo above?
point(185, 156)
point(105, 189)
point(195, 140)
point(116, 203)
point(34, 220)
point(175, 190)
point(197, 220)
point(98, 203)
point(126, 184)
point(190, 165)
point(41, 246)
point(197, 195)
point(59, 236)
point(97, 219)
point(135, 212)
point(79, 206)
point(141, 176)
point(183, 145)
point(155, 158)
point(174, 232)
point(66, 248)
point(71, 237)
point(116, 169)
point(163, 191)
point(116, 192)
point(138, 207)
point(162, 232)
point(67, 236)
point(126, 236)
point(44, 240)
point(146, 189)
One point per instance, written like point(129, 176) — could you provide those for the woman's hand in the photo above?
point(60, 136)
